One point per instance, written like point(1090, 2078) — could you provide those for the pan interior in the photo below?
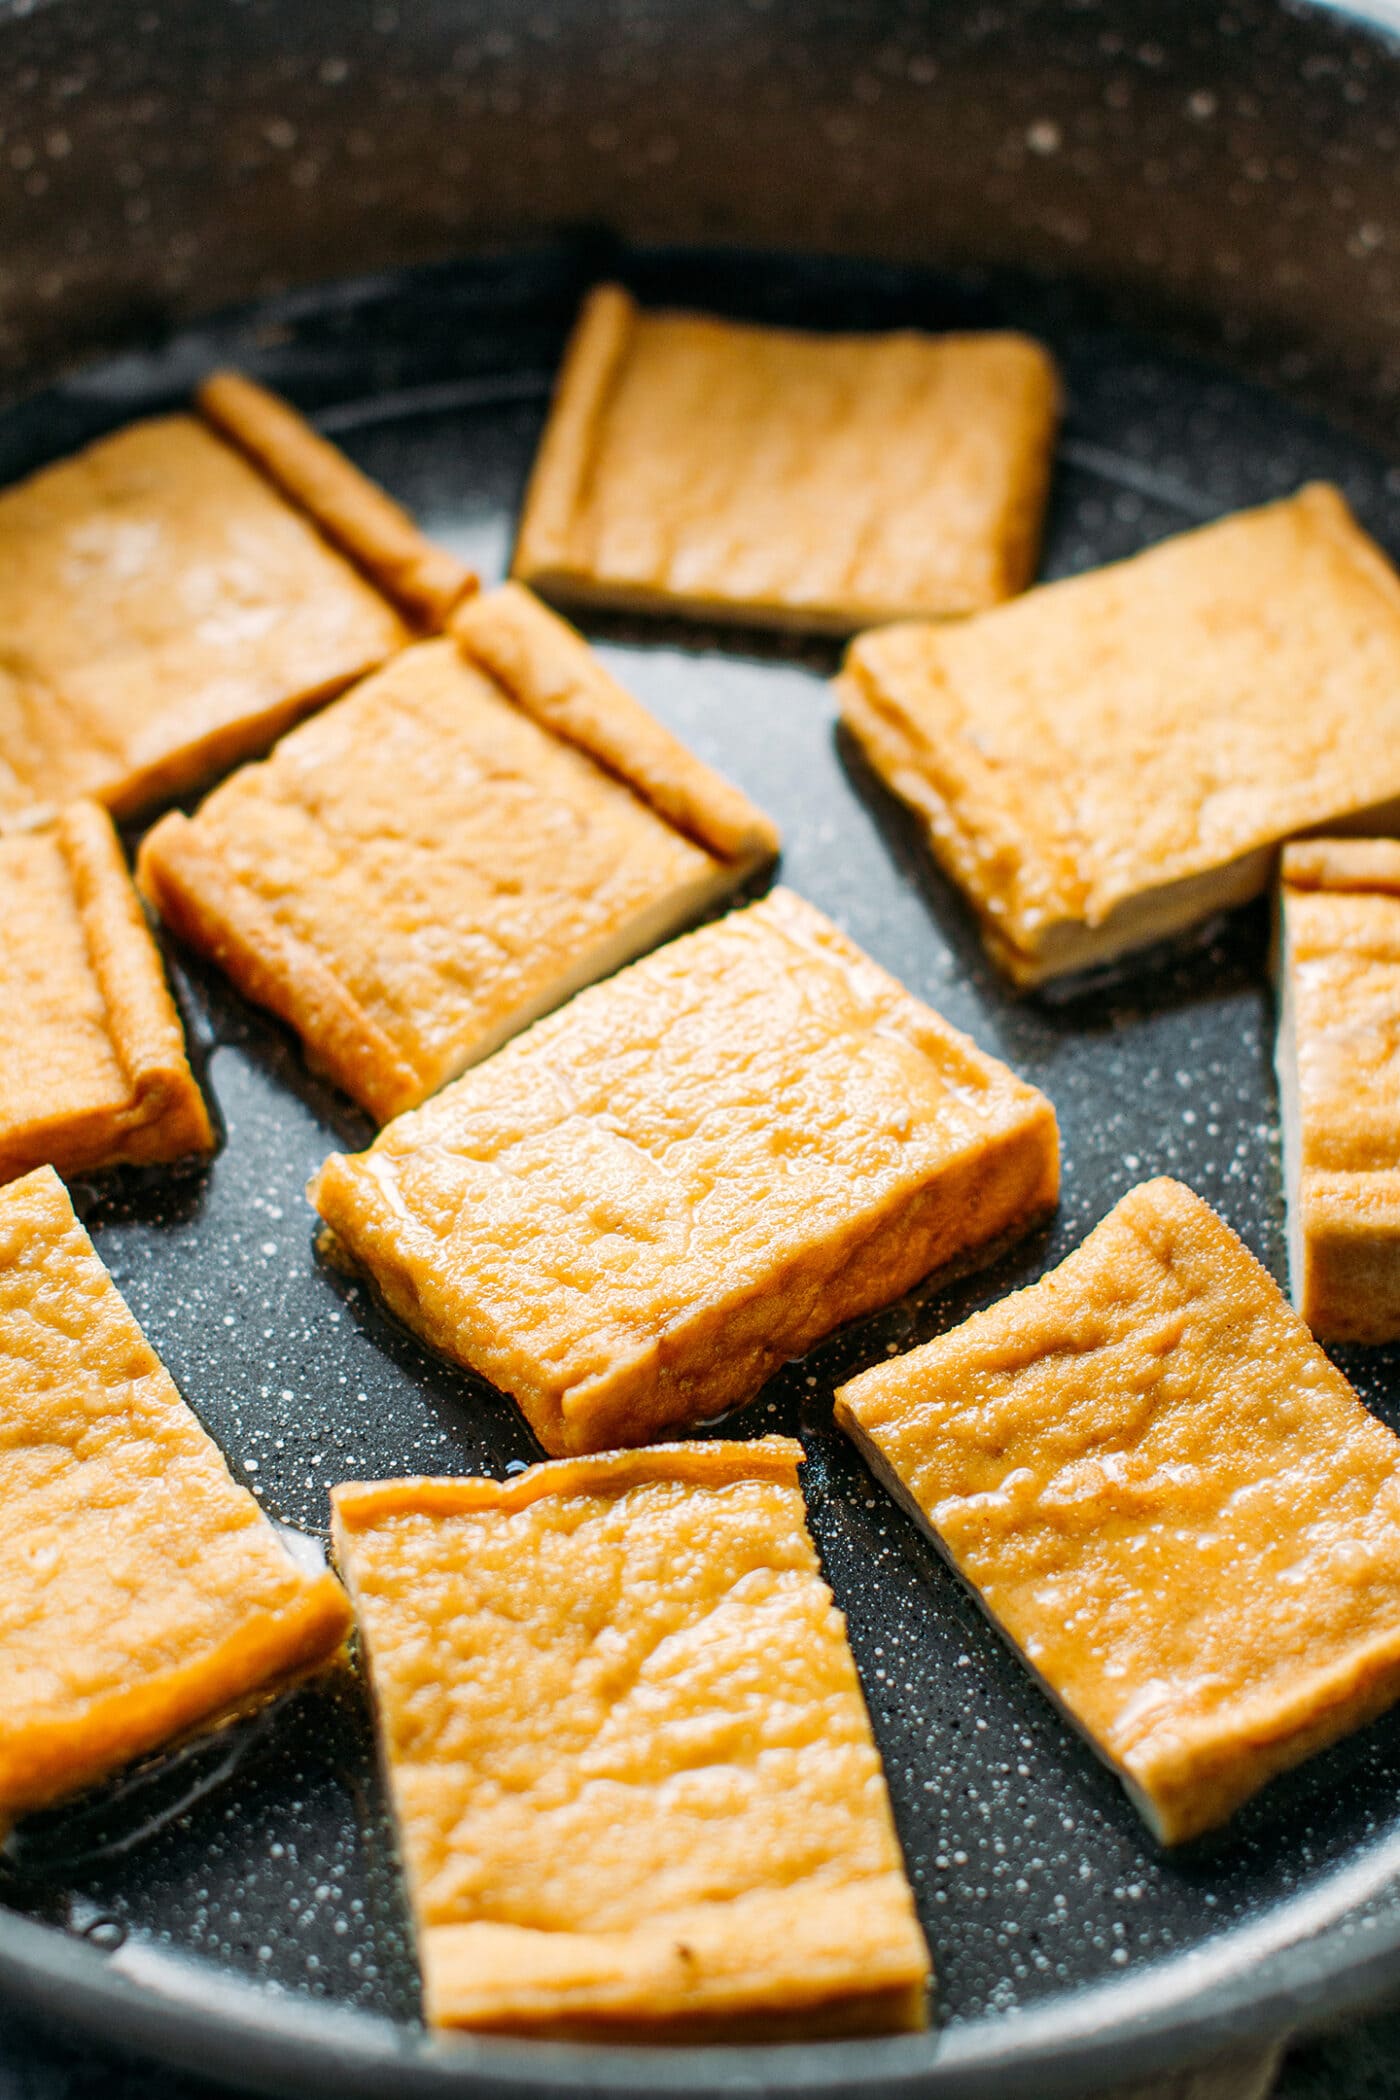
point(264, 1852)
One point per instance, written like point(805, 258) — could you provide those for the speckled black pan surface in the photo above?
point(238, 1908)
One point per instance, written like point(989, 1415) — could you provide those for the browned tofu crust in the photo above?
point(636, 1789)
point(1116, 756)
point(1166, 1497)
point(172, 599)
point(1339, 1080)
point(642, 1206)
point(469, 836)
point(93, 1071)
point(757, 474)
point(376, 533)
point(142, 1592)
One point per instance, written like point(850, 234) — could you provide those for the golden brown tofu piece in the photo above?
point(93, 1069)
point(635, 1212)
point(636, 1790)
point(703, 466)
point(344, 504)
point(169, 601)
point(1166, 1498)
point(142, 1592)
point(476, 831)
point(1339, 1083)
point(1119, 755)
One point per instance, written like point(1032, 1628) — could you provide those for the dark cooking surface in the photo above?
point(1034, 1876)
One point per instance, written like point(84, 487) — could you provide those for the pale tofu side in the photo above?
point(93, 1070)
point(452, 849)
point(1338, 968)
point(759, 474)
point(1114, 757)
point(636, 1789)
point(635, 1212)
point(1166, 1497)
point(141, 1591)
point(163, 612)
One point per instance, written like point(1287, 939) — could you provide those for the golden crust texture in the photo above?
point(1117, 755)
point(379, 537)
point(636, 1789)
point(549, 670)
point(141, 1591)
point(1339, 1082)
point(454, 847)
point(1166, 1497)
point(93, 1070)
point(636, 1211)
point(170, 602)
point(698, 465)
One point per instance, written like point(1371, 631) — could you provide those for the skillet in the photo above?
point(1225, 334)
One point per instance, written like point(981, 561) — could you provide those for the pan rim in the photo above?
point(230, 2029)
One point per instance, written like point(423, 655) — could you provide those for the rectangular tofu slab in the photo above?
point(141, 1591)
point(636, 1790)
point(172, 598)
point(757, 474)
point(1338, 962)
point(1167, 1499)
point(93, 1069)
point(1116, 756)
point(635, 1212)
point(461, 842)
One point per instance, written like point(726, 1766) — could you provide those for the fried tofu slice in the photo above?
point(461, 842)
point(1117, 756)
point(1338, 962)
point(377, 534)
point(1167, 1499)
point(701, 466)
point(171, 600)
point(142, 1593)
point(636, 1789)
point(635, 1212)
point(93, 1070)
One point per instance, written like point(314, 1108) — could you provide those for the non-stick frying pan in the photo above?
point(390, 211)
